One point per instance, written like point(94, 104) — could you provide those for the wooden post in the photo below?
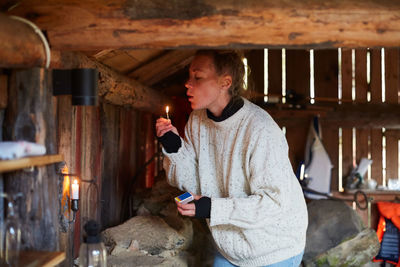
point(30, 117)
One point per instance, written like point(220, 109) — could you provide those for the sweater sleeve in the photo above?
point(271, 179)
point(181, 167)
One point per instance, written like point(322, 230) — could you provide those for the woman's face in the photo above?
point(204, 87)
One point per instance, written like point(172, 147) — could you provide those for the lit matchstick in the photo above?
point(166, 110)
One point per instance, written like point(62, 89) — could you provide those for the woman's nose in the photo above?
point(188, 84)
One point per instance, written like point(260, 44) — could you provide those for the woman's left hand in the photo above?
point(188, 209)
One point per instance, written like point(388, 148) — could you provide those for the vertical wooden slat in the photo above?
point(326, 73)
point(64, 145)
point(392, 75)
point(347, 160)
point(346, 74)
point(141, 145)
point(361, 75)
point(297, 81)
point(392, 79)
point(128, 152)
point(361, 144)
point(376, 155)
point(346, 69)
point(330, 139)
point(376, 134)
point(149, 151)
point(110, 205)
point(255, 62)
point(376, 76)
point(275, 72)
point(3, 91)
point(298, 72)
point(392, 137)
point(296, 138)
point(77, 128)
point(64, 117)
point(91, 164)
point(362, 136)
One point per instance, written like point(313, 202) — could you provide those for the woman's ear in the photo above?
point(225, 81)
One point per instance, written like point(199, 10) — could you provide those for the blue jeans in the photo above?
point(220, 261)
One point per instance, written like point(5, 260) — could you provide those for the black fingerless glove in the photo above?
point(203, 207)
point(171, 142)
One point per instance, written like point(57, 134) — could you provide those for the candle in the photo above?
point(166, 110)
point(302, 172)
point(75, 189)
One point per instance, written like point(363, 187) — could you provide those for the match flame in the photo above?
point(166, 110)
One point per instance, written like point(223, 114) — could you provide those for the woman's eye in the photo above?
point(197, 78)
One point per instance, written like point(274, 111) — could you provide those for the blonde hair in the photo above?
point(228, 62)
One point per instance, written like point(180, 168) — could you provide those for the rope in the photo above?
point(41, 35)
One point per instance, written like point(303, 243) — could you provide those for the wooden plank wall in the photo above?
point(368, 141)
point(105, 146)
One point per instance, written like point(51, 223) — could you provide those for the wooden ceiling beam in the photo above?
point(93, 25)
point(163, 66)
point(114, 88)
point(20, 46)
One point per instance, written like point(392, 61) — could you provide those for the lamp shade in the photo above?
point(84, 87)
point(61, 82)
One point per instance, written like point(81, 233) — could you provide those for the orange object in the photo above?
point(388, 210)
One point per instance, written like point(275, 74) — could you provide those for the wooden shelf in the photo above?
point(368, 192)
point(41, 258)
point(17, 164)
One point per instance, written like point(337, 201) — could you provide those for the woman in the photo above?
point(234, 158)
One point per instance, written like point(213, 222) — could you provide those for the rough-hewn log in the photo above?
point(114, 88)
point(91, 25)
point(20, 46)
point(361, 116)
point(370, 116)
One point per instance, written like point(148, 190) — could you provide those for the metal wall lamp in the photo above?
point(81, 84)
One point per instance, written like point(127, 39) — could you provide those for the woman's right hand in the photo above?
point(163, 125)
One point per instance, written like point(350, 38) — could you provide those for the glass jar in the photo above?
point(11, 234)
point(92, 252)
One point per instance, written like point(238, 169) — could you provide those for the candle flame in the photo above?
point(64, 200)
point(75, 181)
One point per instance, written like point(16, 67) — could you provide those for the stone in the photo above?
point(330, 222)
point(143, 242)
point(357, 251)
point(141, 259)
point(149, 233)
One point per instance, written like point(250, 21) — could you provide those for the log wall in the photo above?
point(362, 129)
point(103, 145)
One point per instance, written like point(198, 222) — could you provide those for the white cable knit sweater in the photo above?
point(258, 213)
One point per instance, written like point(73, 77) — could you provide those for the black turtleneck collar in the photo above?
point(233, 106)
